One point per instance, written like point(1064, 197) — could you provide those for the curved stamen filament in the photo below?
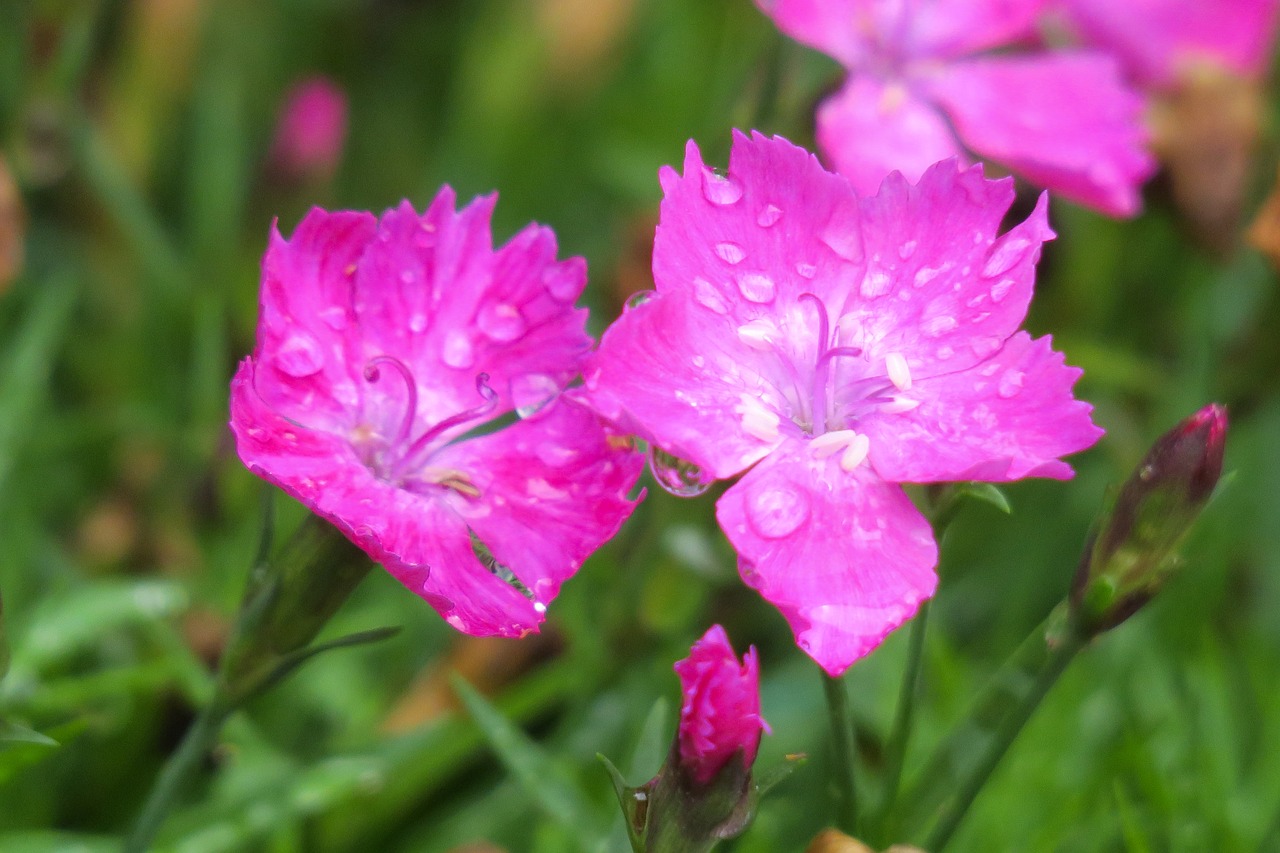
point(424, 441)
point(371, 374)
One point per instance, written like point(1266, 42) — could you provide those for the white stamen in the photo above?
point(831, 443)
point(899, 373)
point(855, 453)
point(758, 421)
point(758, 334)
point(898, 405)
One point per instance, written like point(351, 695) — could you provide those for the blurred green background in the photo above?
point(136, 135)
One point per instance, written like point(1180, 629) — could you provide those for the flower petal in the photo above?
point(1065, 121)
point(778, 225)
point(1007, 418)
point(1158, 39)
point(302, 353)
point(431, 292)
point(946, 29)
point(552, 489)
point(873, 127)
point(846, 557)
point(712, 384)
point(941, 288)
point(844, 29)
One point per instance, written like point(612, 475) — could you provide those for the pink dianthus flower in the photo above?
point(382, 344)
point(916, 91)
point(720, 712)
point(831, 348)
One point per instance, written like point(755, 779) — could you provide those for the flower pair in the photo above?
point(826, 346)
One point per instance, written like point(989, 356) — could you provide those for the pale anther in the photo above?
point(831, 443)
point(899, 373)
point(855, 453)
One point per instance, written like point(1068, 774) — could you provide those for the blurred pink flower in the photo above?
point(916, 91)
point(833, 347)
point(720, 714)
point(382, 343)
point(1160, 41)
point(311, 131)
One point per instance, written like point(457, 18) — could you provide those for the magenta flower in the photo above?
point(381, 345)
point(720, 715)
point(916, 92)
point(832, 348)
point(1160, 41)
point(311, 131)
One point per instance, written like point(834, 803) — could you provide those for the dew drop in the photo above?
point(776, 510)
point(1010, 384)
point(945, 353)
point(1146, 472)
point(564, 281)
point(806, 270)
point(927, 274)
point(978, 237)
point(1001, 289)
point(299, 356)
point(532, 392)
point(639, 298)
point(730, 253)
point(756, 287)
point(407, 277)
point(1006, 255)
point(707, 295)
point(769, 214)
point(501, 321)
point(417, 322)
point(875, 284)
point(937, 326)
point(679, 477)
point(457, 351)
point(985, 346)
point(843, 237)
point(720, 190)
point(975, 301)
point(335, 317)
point(907, 249)
point(699, 362)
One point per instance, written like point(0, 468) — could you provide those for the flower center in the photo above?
point(401, 459)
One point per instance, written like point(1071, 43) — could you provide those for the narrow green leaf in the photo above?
point(768, 780)
point(292, 661)
point(14, 733)
point(986, 493)
point(653, 744)
point(534, 770)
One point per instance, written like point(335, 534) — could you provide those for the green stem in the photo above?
point(1060, 656)
point(842, 754)
point(175, 776)
point(900, 734)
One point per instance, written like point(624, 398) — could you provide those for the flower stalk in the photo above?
point(843, 754)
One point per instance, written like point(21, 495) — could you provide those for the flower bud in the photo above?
point(1131, 555)
point(311, 132)
point(704, 792)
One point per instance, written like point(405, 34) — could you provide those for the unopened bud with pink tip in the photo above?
point(311, 131)
point(1132, 554)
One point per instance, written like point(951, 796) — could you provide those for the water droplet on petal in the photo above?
point(532, 392)
point(417, 322)
point(299, 356)
point(501, 321)
point(1006, 255)
point(720, 190)
point(564, 281)
point(407, 277)
point(698, 362)
point(639, 298)
point(708, 296)
point(756, 287)
point(769, 214)
point(907, 249)
point(457, 351)
point(983, 346)
point(1010, 384)
point(927, 274)
point(875, 283)
point(806, 270)
point(776, 510)
point(335, 317)
point(681, 478)
point(935, 327)
point(945, 353)
point(1001, 289)
point(730, 253)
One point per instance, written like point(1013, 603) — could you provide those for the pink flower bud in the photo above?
point(720, 716)
point(312, 129)
point(1132, 554)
